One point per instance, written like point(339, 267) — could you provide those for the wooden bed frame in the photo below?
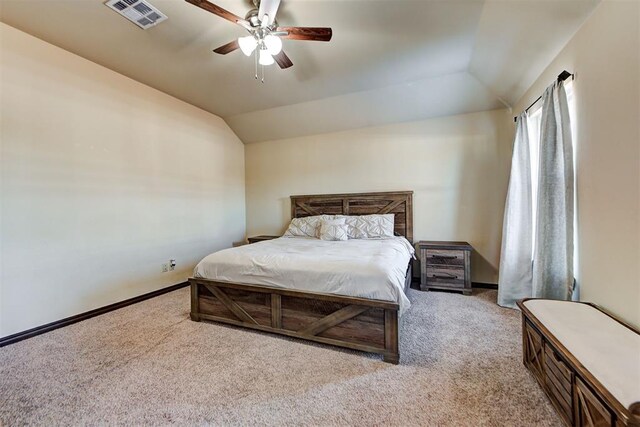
point(356, 323)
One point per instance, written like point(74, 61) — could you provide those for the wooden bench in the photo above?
point(586, 361)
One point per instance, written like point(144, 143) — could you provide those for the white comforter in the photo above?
point(371, 268)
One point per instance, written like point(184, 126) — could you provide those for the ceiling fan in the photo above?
point(266, 36)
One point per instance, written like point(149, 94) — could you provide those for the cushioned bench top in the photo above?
point(608, 349)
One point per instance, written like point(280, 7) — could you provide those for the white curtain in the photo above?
point(540, 265)
point(517, 245)
point(553, 254)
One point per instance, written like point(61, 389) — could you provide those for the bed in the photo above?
point(349, 294)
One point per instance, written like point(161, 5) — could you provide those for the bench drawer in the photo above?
point(558, 380)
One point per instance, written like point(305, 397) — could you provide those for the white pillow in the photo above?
point(333, 229)
point(370, 226)
point(305, 227)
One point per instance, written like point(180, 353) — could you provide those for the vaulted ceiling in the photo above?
point(389, 61)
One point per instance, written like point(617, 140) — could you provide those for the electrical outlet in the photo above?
point(165, 267)
point(172, 264)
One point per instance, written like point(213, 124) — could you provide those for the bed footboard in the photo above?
point(349, 322)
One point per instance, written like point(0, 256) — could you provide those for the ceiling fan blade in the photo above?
point(217, 10)
point(269, 8)
point(283, 60)
point(306, 33)
point(227, 48)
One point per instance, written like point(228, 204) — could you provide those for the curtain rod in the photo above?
point(561, 77)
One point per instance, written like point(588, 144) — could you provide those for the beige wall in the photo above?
point(605, 57)
point(102, 180)
point(457, 166)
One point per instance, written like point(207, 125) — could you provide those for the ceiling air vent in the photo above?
point(140, 12)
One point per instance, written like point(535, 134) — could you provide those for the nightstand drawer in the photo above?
point(444, 257)
point(446, 276)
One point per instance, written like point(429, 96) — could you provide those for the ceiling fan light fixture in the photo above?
point(265, 57)
point(273, 44)
point(247, 44)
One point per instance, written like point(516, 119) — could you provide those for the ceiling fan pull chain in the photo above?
point(262, 69)
point(256, 55)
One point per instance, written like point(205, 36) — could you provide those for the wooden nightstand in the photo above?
point(255, 239)
point(445, 265)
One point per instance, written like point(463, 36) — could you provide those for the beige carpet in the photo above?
point(149, 364)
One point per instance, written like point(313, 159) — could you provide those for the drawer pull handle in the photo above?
point(444, 256)
point(445, 276)
point(556, 357)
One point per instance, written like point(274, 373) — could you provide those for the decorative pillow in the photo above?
point(333, 229)
point(370, 226)
point(305, 227)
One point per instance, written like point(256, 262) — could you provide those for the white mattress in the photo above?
point(371, 268)
point(609, 350)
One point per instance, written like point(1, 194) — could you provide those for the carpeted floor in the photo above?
point(149, 364)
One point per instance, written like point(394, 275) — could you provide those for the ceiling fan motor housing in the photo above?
point(254, 20)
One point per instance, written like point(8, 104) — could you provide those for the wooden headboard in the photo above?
point(399, 203)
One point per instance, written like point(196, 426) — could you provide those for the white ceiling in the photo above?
point(388, 61)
